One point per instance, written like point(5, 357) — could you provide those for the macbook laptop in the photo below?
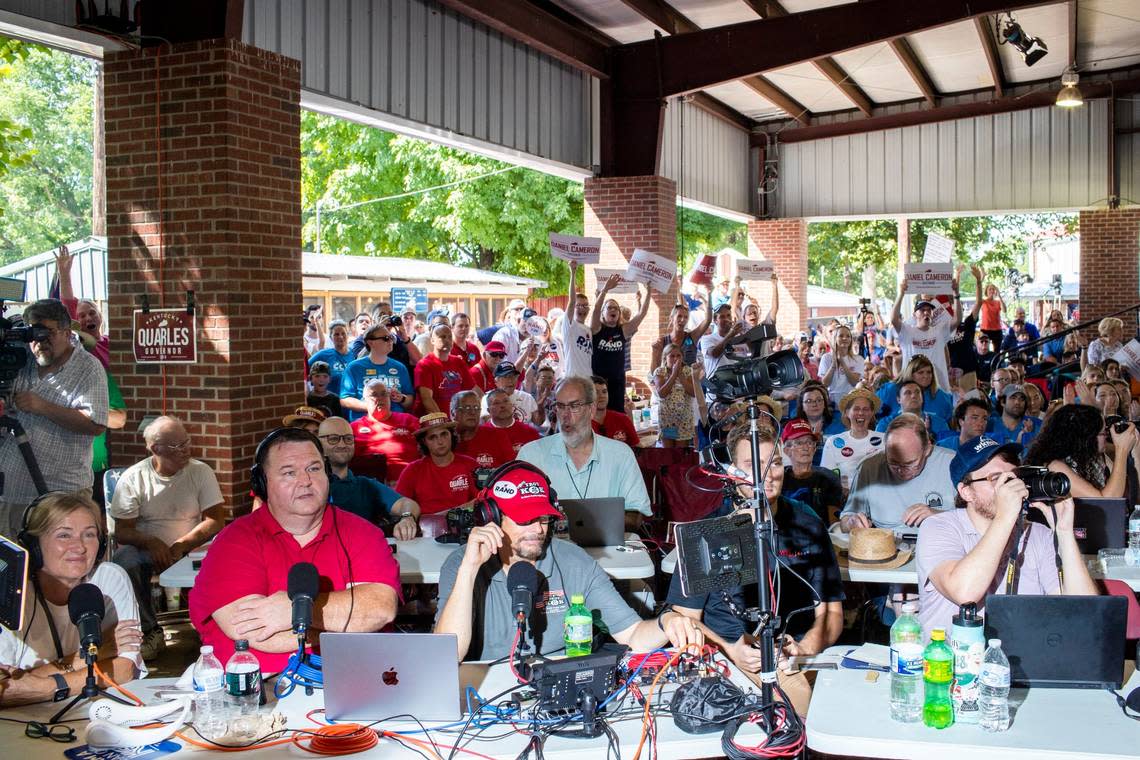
point(1097, 523)
point(1069, 642)
point(372, 676)
point(595, 522)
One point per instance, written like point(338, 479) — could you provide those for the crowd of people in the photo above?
point(903, 424)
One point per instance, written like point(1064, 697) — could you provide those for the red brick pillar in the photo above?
point(1110, 263)
point(628, 213)
point(784, 242)
point(223, 219)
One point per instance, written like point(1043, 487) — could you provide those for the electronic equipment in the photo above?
point(303, 584)
point(596, 522)
point(459, 522)
point(1071, 642)
point(758, 375)
point(372, 676)
point(110, 722)
point(567, 687)
point(522, 582)
point(716, 554)
point(13, 584)
point(1097, 523)
point(1043, 485)
point(86, 608)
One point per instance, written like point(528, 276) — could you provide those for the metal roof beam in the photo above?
point(663, 15)
point(989, 47)
point(778, 98)
point(915, 68)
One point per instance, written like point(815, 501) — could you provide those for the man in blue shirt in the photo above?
point(1014, 425)
point(377, 365)
point(337, 357)
point(910, 400)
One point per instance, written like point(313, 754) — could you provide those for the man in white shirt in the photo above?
point(507, 379)
point(510, 334)
point(712, 345)
point(163, 507)
point(577, 340)
point(923, 337)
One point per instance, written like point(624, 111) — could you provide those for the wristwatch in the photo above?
point(62, 690)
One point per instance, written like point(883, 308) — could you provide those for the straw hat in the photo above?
point(434, 420)
point(874, 549)
point(847, 400)
point(304, 414)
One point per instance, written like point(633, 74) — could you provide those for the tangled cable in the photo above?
point(298, 672)
point(338, 739)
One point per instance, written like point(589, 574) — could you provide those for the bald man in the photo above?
point(364, 496)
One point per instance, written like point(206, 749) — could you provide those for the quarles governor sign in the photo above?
point(165, 336)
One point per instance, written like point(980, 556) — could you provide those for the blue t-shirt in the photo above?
point(336, 361)
point(936, 424)
point(1000, 433)
point(357, 373)
point(938, 404)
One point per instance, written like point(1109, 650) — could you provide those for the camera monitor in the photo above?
point(13, 583)
point(716, 554)
point(12, 289)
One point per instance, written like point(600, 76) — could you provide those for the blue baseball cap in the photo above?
point(974, 453)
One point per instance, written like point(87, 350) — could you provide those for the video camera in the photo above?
point(14, 338)
point(758, 375)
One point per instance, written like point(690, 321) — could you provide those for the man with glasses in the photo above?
point(377, 365)
point(582, 465)
point(902, 485)
point(483, 373)
point(164, 507)
point(361, 495)
point(489, 446)
point(60, 399)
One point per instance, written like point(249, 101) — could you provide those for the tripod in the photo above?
point(91, 687)
point(8, 423)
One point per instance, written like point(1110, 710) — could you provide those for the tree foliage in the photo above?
point(700, 233)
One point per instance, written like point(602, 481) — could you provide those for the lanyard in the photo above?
point(50, 619)
point(1013, 564)
point(574, 479)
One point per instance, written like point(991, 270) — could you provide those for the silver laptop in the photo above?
point(373, 676)
point(595, 522)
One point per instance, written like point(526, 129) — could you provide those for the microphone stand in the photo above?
point(763, 531)
point(91, 687)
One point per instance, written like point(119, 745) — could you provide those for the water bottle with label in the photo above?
point(993, 694)
point(906, 667)
point(968, 642)
point(1132, 554)
point(578, 626)
point(211, 713)
point(243, 690)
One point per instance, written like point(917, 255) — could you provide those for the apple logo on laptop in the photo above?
point(389, 677)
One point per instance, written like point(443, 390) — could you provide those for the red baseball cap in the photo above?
point(495, 346)
point(796, 429)
point(522, 495)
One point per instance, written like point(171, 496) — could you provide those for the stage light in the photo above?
point(1070, 94)
point(1033, 49)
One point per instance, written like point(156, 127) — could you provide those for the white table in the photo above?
point(1047, 723)
point(421, 558)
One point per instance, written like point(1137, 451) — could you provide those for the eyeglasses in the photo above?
point(467, 408)
point(333, 440)
point(496, 354)
point(991, 478)
point(174, 446)
point(904, 469)
point(800, 443)
point(57, 732)
point(385, 338)
point(573, 406)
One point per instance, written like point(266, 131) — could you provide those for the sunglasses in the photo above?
point(496, 354)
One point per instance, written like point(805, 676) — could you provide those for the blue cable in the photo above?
point(299, 673)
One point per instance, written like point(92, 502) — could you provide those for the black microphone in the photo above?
point(522, 580)
point(303, 585)
point(86, 608)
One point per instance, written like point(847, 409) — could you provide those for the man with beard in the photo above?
point(962, 553)
point(439, 375)
point(501, 416)
point(1014, 425)
point(475, 603)
point(486, 444)
point(60, 398)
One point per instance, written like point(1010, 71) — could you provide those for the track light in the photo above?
point(1033, 49)
point(1070, 95)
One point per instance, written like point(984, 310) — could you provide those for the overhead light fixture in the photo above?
point(1033, 49)
point(1070, 95)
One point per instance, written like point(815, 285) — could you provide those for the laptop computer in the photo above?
point(595, 522)
point(1068, 642)
point(372, 676)
point(1099, 523)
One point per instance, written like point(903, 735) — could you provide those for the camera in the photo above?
point(758, 375)
point(393, 321)
point(1116, 423)
point(14, 337)
point(1043, 485)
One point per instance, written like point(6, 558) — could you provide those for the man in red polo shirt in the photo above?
point(440, 479)
point(439, 375)
point(607, 422)
point(383, 431)
point(501, 413)
point(240, 592)
point(483, 373)
point(488, 446)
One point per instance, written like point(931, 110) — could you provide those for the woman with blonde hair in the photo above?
point(841, 368)
point(673, 381)
point(1111, 340)
point(935, 401)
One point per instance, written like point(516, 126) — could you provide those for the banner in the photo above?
point(165, 336)
point(939, 249)
point(704, 271)
point(932, 279)
point(1129, 357)
point(625, 286)
point(656, 271)
point(584, 250)
point(755, 269)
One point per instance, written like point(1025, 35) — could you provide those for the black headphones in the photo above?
point(486, 510)
point(257, 478)
point(32, 543)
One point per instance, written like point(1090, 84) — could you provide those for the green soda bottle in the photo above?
point(578, 627)
point(937, 675)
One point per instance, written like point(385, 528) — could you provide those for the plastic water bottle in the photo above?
point(906, 667)
point(994, 693)
point(578, 627)
point(211, 714)
point(243, 690)
point(1132, 556)
point(937, 673)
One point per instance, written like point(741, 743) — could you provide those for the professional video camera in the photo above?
point(14, 338)
point(759, 374)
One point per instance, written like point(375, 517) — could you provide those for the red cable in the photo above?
point(511, 658)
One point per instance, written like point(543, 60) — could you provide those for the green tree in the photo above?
point(699, 233)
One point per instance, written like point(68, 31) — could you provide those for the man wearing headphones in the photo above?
point(240, 592)
point(513, 516)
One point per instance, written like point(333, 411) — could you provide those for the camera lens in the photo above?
point(1044, 485)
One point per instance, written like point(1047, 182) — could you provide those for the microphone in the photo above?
point(522, 580)
point(303, 586)
point(86, 608)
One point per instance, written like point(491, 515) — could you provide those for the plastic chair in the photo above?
point(110, 481)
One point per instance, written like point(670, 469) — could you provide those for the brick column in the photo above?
point(1110, 263)
point(628, 213)
point(784, 242)
point(223, 219)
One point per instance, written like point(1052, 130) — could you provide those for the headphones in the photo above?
point(486, 510)
point(258, 483)
point(32, 543)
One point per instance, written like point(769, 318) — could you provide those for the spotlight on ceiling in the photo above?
point(1033, 49)
point(1070, 95)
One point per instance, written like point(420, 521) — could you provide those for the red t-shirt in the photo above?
point(253, 554)
point(482, 376)
point(394, 437)
point(490, 447)
point(619, 427)
point(443, 378)
point(437, 489)
point(471, 354)
point(520, 434)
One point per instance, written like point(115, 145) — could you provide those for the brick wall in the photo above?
point(230, 197)
point(1110, 262)
point(628, 213)
point(784, 242)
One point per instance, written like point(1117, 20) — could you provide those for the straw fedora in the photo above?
point(874, 549)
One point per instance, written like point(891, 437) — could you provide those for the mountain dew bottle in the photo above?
point(937, 674)
point(578, 627)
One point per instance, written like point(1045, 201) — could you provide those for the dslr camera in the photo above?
point(1043, 485)
point(1116, 423)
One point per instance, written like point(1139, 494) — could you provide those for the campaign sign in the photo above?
point(939, 249)
point(656, 271)
point(704, 271)
point(755, 269)
point(625, 286)
point(165, 336)
point(584, 250)
point(1129, 356)
point(933, 279)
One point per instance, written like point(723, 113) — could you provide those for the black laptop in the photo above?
point(1065, 642)
point(595, 522)
point(1097, 523)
